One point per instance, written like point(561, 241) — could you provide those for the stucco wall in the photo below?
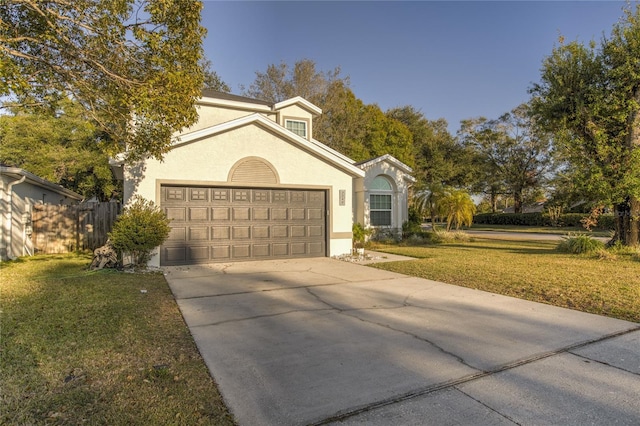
point(210, 115)
point(295, 112)
point(208, 162)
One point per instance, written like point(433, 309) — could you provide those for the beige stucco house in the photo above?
point(19, 192)
point(249, 181)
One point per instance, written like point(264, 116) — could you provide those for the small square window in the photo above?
point(296, 126)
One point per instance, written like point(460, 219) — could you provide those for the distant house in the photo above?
point(249, 181)
point(19, 192)
point(537, 207)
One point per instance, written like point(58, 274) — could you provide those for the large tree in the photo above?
point(439, 158)
point(61, 146)
point(589, 97)
point(348, 125)
point(281, 82)
point(133, 64)
point(512, 151)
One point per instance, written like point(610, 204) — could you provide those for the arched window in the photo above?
point(381, 202)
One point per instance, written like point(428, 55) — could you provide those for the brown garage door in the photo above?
point(217, 224)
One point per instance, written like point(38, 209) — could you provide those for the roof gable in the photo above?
point(301, 102)
point(391, 160)
point(313, 147)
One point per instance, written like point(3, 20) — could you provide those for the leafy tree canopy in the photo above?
point(347, 125)
point(512, 152)
point(589, 97)
point(439, 158)
point(132, 64)
point(62, 147)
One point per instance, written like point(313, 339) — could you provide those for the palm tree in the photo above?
point(428, 202)
point(459, 208)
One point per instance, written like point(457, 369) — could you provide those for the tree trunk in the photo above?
point(627, 216)
point(517, 202)
point(634, 222)
point(494, 201)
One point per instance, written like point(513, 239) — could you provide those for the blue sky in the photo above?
point(451, 60)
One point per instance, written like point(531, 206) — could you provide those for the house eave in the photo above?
point(17, 173)
point(300, 101)
point(390, 159)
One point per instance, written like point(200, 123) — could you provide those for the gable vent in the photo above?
point(253, 170)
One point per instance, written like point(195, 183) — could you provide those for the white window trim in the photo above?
point(304, 122)
point(390, 209)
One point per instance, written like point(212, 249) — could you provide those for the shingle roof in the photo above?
point(209, 93)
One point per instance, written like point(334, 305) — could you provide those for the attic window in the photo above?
point(297, 126)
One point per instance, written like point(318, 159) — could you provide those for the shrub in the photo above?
point(140, 229)
point(580, 244)
point(443, 237)
point(410, 228)
point(575, 220)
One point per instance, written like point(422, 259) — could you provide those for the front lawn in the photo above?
point(532, 270)
point(100, 348)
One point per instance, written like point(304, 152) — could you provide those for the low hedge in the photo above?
point(541, 219)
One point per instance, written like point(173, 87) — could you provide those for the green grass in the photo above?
point(540, 230)
point(81, 347)
point(532, 270)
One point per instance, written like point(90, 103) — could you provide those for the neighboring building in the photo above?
point(19, 192)
point(248, 181)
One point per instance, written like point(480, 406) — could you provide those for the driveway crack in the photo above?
point(418, 337)
point(292, 311)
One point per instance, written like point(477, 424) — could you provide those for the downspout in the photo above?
point(9, 218)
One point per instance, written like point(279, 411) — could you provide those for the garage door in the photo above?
point(217, 224)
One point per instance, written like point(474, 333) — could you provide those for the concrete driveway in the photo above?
point(320, 341)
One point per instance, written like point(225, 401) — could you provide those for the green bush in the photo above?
point(580, 244)
point(605, 222)
point(521, 219)
point(140, 229)
point(410, 228)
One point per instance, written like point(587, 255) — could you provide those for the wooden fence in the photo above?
point(64, 229)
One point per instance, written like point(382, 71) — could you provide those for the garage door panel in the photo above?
point(241, 232)
point(221, 232)
point(175, 255)
point(241, 251)
point(261, 250)
point(198, 233)
point(279, 231)
point(260, 231)
point(298, 231)
point(315, 214)
point(280, 249)
point(212, 224)
point(261, 213)
point(220, 252)
point(315, 249)
point(279, 214)
point(220, 213)
point(297, 214)
point(176, 213)
point(198, 253)
point(178, 234)
point(315, 231)
point(241, 213)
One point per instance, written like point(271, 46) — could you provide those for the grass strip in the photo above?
point(531, 270)
point(100, 348)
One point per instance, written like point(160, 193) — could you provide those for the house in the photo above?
point(19, 192)
point(248, 181)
